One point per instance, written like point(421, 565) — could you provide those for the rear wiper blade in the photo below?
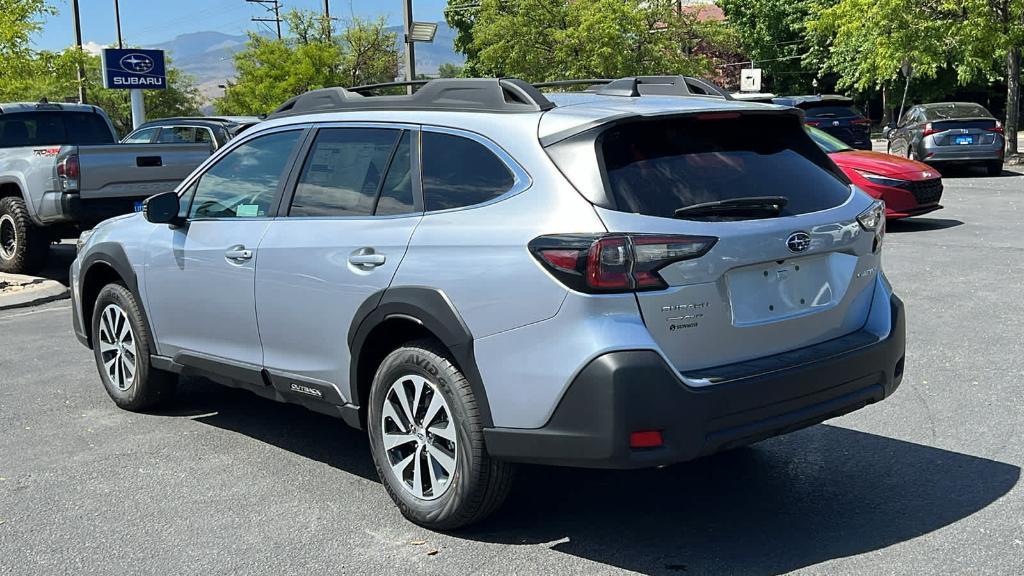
point(751, 205)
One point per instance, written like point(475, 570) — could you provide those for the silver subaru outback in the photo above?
point(481, 274)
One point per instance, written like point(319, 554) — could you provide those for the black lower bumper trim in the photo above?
point(623, 392)
point(88, 212)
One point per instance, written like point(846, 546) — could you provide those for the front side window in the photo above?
point(460, 172)
point(343, 173)
point(243, 183)
point(144, 136)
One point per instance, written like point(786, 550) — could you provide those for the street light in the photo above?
point(423, 31)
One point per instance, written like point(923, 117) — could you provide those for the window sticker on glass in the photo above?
point(247, 210)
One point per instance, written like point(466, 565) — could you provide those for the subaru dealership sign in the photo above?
point(132, 68)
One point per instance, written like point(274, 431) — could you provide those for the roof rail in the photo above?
point(372, 87)
point(460, 94)
point(579, 82)
point(662, 86)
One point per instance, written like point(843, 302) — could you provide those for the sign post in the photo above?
point(136, 70)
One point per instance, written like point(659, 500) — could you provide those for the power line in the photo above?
point(271, 6)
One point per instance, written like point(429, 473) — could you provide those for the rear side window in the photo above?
point(183, 134)
point(460, 172)
point(53, 128)
point(344, 172)
point(655, 167)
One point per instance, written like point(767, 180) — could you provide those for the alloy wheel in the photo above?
point(419, 437)
point(8, 237)
point(117, 347)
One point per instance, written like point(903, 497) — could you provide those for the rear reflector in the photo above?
point(645, 439)
point(609, 263)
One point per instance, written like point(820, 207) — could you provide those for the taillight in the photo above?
point(68, 172)
point(608, 263)
point(814, 123)
point(998, 128)
point(861, 122)
point(929, 129)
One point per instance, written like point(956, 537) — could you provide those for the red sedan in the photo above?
point(909, 188)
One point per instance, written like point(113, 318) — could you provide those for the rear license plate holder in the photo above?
point(137, 207)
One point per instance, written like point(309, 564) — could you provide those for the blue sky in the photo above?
point(146, 22)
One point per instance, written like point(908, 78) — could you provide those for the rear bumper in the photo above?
point(976, 153)
point(627, 391)
point(64, 207)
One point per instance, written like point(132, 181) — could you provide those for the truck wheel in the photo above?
point(121, 347)
point(23, 247)
point(427, 441)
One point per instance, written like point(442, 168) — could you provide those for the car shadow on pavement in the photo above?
point(787, 503)
point(920, 224)
point(58, 263)
point(286, 426)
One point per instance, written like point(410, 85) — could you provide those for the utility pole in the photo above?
point(410, 50)
point(271, 6)
point(78, 44)
point(327, 18)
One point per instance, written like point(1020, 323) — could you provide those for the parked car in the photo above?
point(909, 188)
point(480, 274)
point(61, 170)
point(835, 115)
point(215, 131)
point(949, 132)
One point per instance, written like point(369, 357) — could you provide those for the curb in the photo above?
point(37, 291)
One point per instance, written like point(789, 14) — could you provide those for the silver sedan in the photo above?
point(949, 132)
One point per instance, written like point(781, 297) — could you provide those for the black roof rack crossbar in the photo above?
point(581, 81)
point(372, 87)
point(662, 86)
point(459, 94)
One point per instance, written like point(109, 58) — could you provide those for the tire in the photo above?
point(476, 485)
point(994, 168)
point(117, 346)
point(23, 246)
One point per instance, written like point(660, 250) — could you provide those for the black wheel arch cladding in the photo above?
point(113, 256)
point(435, 313)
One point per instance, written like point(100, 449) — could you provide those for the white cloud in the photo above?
point(93, 48)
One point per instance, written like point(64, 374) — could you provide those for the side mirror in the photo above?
point(162, 209)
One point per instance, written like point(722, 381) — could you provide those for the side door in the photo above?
point(200, 276)
point(898, 145)
point(343, 229)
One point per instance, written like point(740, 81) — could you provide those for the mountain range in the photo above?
point(209, 56)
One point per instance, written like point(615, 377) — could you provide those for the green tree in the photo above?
point(449, 70)
point(541, 40)
point(19, 20)
point(866, 42)
point(772, 35)
point(314, 55)
point(53, 75)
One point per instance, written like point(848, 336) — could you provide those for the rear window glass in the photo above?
point(958, 111)
point(832, 112)
point(53, 128)
point(460, 172)
point(654, 168)
point(826, 141)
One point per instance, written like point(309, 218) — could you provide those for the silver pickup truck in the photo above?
point(62, 170)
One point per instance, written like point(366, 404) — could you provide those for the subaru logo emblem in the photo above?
point(798, 242)
point(137, 63)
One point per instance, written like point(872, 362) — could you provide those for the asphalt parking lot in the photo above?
point(927, 482)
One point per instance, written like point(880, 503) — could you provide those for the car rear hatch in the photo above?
point(964, 132)
point(775, 278)
point(842, 121)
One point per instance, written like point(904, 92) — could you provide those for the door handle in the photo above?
point(238, 253)
point(366, 258)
